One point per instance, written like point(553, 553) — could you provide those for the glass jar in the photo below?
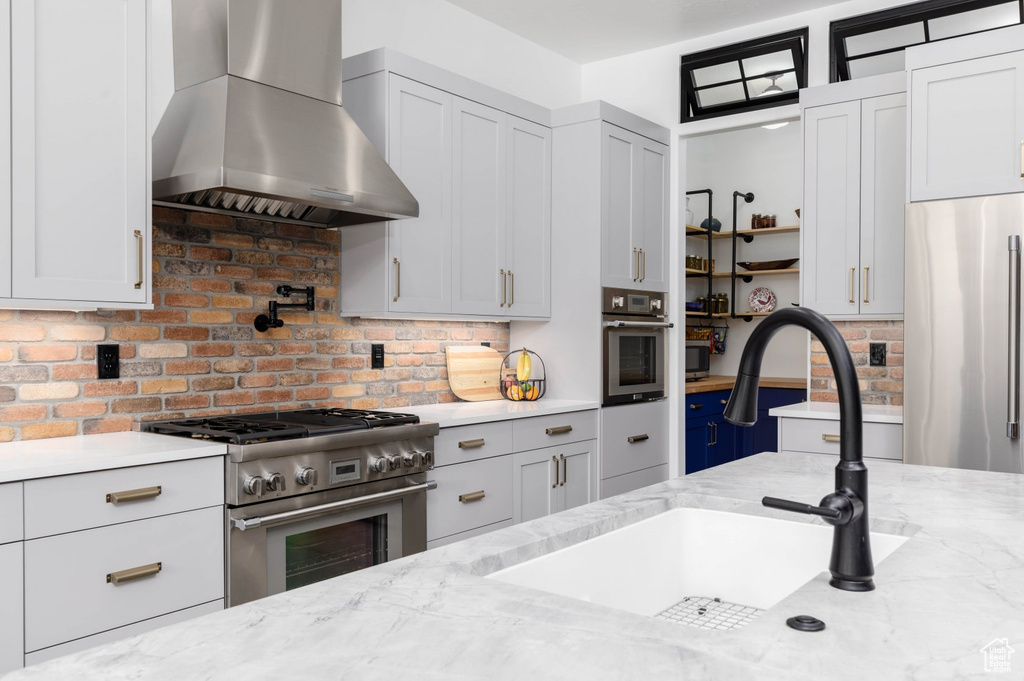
point(771, 220)
point(702, 301)
point(755, 221)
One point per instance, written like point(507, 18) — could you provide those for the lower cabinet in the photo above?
point(552, 479)
point(634, 438)
point(712, 441)
point(822, 436)
point(468, 496)
point(12, 637)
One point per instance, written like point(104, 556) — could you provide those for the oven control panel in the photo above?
point(343, 471)
point(620, 301)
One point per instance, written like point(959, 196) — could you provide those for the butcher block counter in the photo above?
point(713, 383)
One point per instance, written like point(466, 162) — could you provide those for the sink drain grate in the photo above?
point(709, 613)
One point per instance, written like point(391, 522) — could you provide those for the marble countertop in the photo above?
point(955, 586)
point(712, 383)
point(29, 459)
point(873, 413)
point(468, 413)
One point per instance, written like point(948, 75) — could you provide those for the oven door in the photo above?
point(634, 361)
point(284, 544)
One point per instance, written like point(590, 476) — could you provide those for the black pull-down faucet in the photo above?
point(846, 508)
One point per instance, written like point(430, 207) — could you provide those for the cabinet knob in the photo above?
point(696, 406)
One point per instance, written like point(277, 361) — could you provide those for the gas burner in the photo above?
point(373, 419)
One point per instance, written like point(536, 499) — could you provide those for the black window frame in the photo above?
point(796, 41)
point(921, 12)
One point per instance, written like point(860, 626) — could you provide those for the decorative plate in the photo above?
point(762, 299)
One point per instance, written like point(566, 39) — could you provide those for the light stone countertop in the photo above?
point(468, 413)
point(955, 586)
point(873, 413)
point(29, 459)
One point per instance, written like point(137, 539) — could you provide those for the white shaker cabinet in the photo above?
point(79, 177)
point(634, 438)
point(967, 128)
point(12, 619)
point(552, 479)
point(634, 216)
point(854, 190)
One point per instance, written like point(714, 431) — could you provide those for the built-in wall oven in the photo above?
point(319, 493)
point(635, 347)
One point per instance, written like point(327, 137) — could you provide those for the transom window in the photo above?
point(872, 44)
point(755, 74)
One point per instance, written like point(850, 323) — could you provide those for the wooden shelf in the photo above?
point(704, 315)
point(696, 273)
point(755, 273)
point(727, 234)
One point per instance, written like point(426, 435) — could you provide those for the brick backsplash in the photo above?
point(197, 353)
point(878, 385)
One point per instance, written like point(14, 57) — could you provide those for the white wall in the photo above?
point(767, 163)
point(433, 31)
point(647, 83)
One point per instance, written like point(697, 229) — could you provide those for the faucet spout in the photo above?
point(847, 508)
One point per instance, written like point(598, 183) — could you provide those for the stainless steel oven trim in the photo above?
point(247, 578)
point(653, 391)
point(622, 324)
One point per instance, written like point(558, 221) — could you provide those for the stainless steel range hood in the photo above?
point(256, 126)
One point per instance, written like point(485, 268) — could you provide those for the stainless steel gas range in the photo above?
point(316, 493)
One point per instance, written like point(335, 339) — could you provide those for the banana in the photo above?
point(524, 366)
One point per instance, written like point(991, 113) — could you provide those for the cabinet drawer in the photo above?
point(446, 514)
point(12, 524)
point(819, 436)
point(631, 481)
point(468, 534)
point(469, 443)
point(12, 640)
point(76, 502)
point(633, 437)
point(73, 569)
point(556, 429)
point(699, 405)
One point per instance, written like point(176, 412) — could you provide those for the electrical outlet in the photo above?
point(877, 354)
point(377, 356)
point(108, 361)
point(485, 344)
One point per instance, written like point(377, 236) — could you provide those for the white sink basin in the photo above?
point(654, 564)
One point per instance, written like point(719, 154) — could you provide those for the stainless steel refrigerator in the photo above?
point(962, 343)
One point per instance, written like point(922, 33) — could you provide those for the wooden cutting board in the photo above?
point(473, 372)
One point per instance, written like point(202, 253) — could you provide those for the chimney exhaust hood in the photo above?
point(256, 127)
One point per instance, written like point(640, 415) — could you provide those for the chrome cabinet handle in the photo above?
point(134, 494)
point(511, 288)
point(712, 434)
point(852, 270)
point(558, 430)
point(643, 262)
point(398, 280)
point(471, 444)
point(554, 460)
point(472, 496)
point(565, 470)
point(502, 272)
point(142, 242)
point(132, 574)
point(1013, 359)
point(632, 439)
point(830, 438)
point(865, 291)
point(696, 406)
point(636, 264)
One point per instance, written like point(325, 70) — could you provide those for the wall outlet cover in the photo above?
point(877, 354)
point(108, 361)
point(377, 356)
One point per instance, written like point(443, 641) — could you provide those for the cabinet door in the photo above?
point(883, 195)
point(578, 483)
point(5, 152)
point(633, 437)
point(726, 439)
point(967, 127)
point(80, 150)
point(831, 212)
point(652, 204)
point(12, 635)
point(478, 208)
point(697, 438)
point(419, 151)
point(619, 249)
point(535, 476)
point(528, 216)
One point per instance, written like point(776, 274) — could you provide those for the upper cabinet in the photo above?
point(482, 176)
point(634, 215)
point(78, 182)
point(967, 128)
point(854, 191)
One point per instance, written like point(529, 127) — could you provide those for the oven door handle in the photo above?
point(638, 325)
point(243, 524)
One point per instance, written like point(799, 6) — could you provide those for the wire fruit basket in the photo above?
point(522, 376)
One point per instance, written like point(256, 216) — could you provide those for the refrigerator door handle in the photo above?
point(1013, 354)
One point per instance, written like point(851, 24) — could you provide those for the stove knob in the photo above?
point(617, 302)
point(254, 486)
point(378, 464)
point(428, 459)
point(394, 462)
point(413, 460)
point(275, 482)
point(305, 476)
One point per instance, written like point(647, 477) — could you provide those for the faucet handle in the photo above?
point(837, 508)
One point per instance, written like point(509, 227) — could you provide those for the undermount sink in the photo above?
point(687, 554)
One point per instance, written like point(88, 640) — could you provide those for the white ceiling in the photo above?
point(591, 30)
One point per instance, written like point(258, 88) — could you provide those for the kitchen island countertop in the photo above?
point(953, 588)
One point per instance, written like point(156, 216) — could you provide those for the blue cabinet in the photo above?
point(712, 441)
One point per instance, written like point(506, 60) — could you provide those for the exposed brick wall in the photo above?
point(878, 385)
point(197, 352)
